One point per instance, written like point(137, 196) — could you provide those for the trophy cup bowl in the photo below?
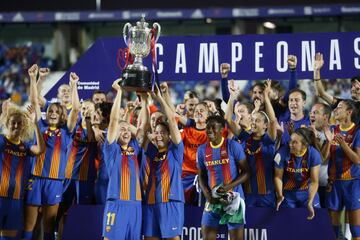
point(136, 76)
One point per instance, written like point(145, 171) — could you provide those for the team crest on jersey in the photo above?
point(160, 157)
point(128, 152)
point(22, 148)
point(108, 228)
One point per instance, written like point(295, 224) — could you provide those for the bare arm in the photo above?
point(115, 113)
point(166, 95)
point(314, 182)
point(233, 126)
point(243, 176)
point(144, 121)
point(203, 182)
point(74, 113)
point(278, 186)
point(43, 72)
point(272, 131)
point(174, 130)
point(33, 96)
point(318, 63)
point(352, 154)
point(313, 188)
point(40, 146)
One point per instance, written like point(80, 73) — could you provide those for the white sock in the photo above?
point(347, 231)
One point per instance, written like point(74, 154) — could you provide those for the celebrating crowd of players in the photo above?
point(145, 161)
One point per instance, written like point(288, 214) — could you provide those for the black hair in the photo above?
point(98, 92)
point(190, 94)
point(105, 108)
point(355, 112)
point(309, 137)
point(249, 106)
point(353, 79)
point(259, 84)
point(303, 94)
point(216, 119)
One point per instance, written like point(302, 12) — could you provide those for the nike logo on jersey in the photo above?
point(174, 228)
point(208, 155)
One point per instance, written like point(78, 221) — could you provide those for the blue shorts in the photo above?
point(299, 199)
point(11, 214)
point(122, 220)
point(260, 200)
point(79, 192)
point(211, 219)
point(343, 193)
point(43, 191)
point(100, 190)
point(163, 220)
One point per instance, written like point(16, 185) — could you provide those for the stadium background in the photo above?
point(56, 33)
point(28, 36)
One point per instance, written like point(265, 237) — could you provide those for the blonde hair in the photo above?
point(27, 132)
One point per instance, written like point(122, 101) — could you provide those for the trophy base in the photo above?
point(136, 80)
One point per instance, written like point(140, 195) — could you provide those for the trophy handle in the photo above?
point(126, 30)
point(158, 30)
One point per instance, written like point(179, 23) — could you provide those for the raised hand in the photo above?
point(43, 72)
point(280, 127)
point(73, 79)
point(292, 61)
point(224, 70)
point(257, 104)
point(233, 89)
point(318, 62)
point(31, 114)
point(164, 87)
point(116, 84)
point(267, 88)
point(211, 106)
point(130, 105)
point(180, 109)
point(329, 134)
point(33, 71)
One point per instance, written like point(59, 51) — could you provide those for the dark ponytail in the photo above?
point(309, 137)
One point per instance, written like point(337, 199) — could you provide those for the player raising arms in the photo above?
point(163, 208)
point(121, 155)
point(48, 170)
point(259, 148)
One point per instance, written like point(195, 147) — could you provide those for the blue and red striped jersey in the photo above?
point(296, 168)
point(259, 154)
point(123, 169)
point(81, 157)
point(221, 162)
point(161, 174)
point(52, 163)
point(14, 168)
point(340, 166)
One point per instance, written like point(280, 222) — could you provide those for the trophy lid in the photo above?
point(142, 23)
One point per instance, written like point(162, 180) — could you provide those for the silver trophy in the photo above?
point(136, 76)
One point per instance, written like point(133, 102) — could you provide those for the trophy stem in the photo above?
point(138, 60)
